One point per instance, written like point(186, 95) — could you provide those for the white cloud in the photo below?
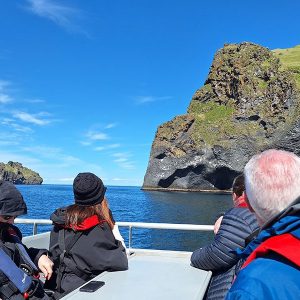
point(123, 161)
point(107, 147)
point(52, 153)
point(147, 99)
point(5, 98)
point(36, 119)
point(110, 125)
point(85, 143)
point(12, 124)
point(61, 15)
point(97, 136)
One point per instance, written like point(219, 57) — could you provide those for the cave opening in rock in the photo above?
point(222, 178)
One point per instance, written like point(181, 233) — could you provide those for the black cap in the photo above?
point(11, 200)
point(88, 189)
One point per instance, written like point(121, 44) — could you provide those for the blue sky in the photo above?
point(85, 84)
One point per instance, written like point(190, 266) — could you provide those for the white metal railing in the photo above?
point(130, 225)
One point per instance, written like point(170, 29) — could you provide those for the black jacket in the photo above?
point(219, 256)
point(10, 237)
point(95, 251)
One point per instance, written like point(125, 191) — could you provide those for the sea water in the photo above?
point(134, 205)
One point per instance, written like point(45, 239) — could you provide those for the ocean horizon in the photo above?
point(131, 204)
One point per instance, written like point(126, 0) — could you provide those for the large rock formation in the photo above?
point(16, 173)
point(250, 102)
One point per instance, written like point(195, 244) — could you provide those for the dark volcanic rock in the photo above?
point(248, 103)
point(17, 174)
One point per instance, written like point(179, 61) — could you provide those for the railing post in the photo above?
point(130, 237)
point(34, 231)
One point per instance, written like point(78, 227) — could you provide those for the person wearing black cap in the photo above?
point(18, 269)
point(82, 243)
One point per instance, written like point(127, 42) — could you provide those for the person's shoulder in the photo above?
point(240, 213)
point(261, 277)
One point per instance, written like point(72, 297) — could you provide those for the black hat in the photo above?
point(11, 200)
point(88, 189)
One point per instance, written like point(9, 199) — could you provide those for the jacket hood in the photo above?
point(11, 200)
point(59, 218)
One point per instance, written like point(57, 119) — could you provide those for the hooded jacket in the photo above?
point(96, 250)
point(13, 204)
point(219, 256)
point(272, 270)
point(10, 243)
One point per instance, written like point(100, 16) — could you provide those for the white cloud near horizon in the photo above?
point(147, 99)
point(36, 119)
point(62, 15)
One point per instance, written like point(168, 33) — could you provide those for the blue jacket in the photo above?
point(219, 256)
point(271, 276)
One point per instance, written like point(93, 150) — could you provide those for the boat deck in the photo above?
point(152, 274)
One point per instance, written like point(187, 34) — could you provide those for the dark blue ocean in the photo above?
point(133, 204)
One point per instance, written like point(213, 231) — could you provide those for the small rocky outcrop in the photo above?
point(17, 174)
point(250, 102)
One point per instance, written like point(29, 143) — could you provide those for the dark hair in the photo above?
point(76, 214)
point(238, 185)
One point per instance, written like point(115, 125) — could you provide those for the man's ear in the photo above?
point(234, 196)
point(248, 203)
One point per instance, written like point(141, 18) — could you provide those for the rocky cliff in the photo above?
point(250, 102)
point(16, 173)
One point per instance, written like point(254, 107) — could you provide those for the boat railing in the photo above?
point(129, 225)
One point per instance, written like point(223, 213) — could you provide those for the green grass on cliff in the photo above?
point(25, 171)
point(214, 123)
point(290, 59)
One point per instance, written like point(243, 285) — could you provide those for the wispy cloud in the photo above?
point(107, 147)
point(52, 153)
point(97, 136)
point(62, 15)
point(37, 119)
point(4, 96)
point(12, 124)
point(147, 99)
point(122, 159)
point(110, 125)
point(35, 101)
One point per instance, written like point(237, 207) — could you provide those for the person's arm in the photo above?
point(217, 225)
point(220, 253)
point(118, 235)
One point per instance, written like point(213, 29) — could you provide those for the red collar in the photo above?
point(87, 223)
point(285, 245)
point(240, 201)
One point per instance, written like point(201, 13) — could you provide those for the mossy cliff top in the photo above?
point(250, 90)
point(16, 173)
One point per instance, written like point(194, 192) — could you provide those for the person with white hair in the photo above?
point(272, 267)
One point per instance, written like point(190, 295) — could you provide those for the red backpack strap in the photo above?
point(285, 245)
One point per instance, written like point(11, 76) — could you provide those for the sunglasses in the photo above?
point(6, 218)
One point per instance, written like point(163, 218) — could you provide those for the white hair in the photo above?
point(272, 182)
